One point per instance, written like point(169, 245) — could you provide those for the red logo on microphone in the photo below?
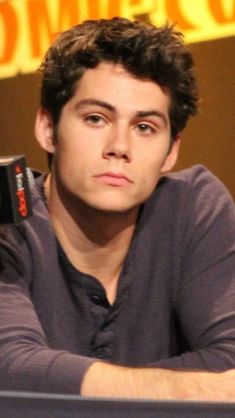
point(20, 192)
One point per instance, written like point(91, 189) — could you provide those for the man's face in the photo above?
point(112, 141)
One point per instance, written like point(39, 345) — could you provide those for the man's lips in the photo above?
point(114, 179)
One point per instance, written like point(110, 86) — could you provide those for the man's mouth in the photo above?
point(114, 179)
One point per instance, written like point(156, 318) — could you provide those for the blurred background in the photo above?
point(27, 27)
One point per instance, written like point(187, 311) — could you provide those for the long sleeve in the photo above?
point(30, 282)
point(205, 299)
point(26, 360)
point(175, 302)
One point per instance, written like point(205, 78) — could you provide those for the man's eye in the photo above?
point(94, 119)
point(145, 128)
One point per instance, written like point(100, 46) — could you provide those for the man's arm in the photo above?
point(204, 305)
point(205, 311)
point(104, 380)
point(27, 363)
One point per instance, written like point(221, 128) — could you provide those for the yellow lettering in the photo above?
point(10, 24)
point(39, 23)
point(27, 27)
point(103, 8)
point(218, 11)
point(138, 9)
point(114, 8)
point(175, 14)
point(94, 9)
point(68, 14)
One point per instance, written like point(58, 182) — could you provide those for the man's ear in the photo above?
point(44, 130)
point(172, 156)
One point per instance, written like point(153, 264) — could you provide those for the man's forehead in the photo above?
point(116, 69)
point(112, 84)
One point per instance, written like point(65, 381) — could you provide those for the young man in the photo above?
point(123, 270)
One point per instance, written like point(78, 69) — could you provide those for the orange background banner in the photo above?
point(27, 27)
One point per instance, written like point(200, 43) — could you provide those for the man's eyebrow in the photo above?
point(96, 102)
point(158, 113)
point(108, 106)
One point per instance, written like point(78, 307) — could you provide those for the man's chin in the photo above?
point(114, 210)
point(105, 207)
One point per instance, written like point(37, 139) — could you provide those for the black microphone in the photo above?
point(15, 179)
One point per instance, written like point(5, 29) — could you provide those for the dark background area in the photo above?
point(208, 139)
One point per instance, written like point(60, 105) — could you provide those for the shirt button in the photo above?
point(100, 353)
point(105, 329)
point(95, 299)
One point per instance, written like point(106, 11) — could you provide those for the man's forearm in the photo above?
point(105, 380)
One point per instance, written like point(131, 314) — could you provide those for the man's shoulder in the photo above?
point(26, 244)
point(195, 180)
point(191, 175)
point(37, 189)
point(190, 189)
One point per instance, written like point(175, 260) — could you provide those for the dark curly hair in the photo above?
point(148, 52)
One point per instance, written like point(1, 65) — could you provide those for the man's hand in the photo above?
point(105, 380)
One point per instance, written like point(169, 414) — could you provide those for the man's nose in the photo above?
point(118, 144)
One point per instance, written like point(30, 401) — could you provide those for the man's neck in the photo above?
point(95, 242)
